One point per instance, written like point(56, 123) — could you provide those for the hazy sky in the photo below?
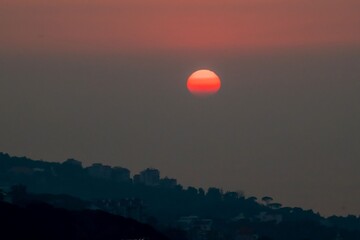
point(105, 81)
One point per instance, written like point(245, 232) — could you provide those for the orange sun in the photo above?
point(203, 83)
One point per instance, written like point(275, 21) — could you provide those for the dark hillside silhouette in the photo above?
point(180, 213)
point(43, 222)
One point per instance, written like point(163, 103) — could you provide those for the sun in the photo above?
point(203, 83)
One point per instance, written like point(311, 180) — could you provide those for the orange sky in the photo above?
point(101, 26)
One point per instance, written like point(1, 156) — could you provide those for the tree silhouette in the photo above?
point(231, 196)
point(267, 200)
point(192, 191)
point(201, 192)
point(274, 205)
point(252, 199)
point(214, 194)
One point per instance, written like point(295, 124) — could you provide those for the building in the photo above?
point(133, 208)
point(245, 233)
point(97, 170)
point(136, 179)
point(239, 217)
point(117, 174)
point(19, 170)
point(120, 175)
point(268, 217)
point(150, 177)
point(127, 207)
point(195, 227)
point(187, 223)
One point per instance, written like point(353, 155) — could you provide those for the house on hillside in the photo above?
point(268, 217)
point(98, 170)
point(195, 227)
point(148, 177)
point(246, 233)
point(127, 207)
point(117, 174)
point(120, 174)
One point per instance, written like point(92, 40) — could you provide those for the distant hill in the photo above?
point(180, 213)
point(44, 222)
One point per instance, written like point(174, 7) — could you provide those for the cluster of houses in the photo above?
point(195, 227)
point(198, 228)
point(126, 207)
point(148, 177)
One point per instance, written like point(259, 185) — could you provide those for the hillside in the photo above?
point(43, 222)
point(184, 214)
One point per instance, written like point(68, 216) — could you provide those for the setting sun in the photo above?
point(203, 82)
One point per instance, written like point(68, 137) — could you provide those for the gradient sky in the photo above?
point(138, 25)
point(105, 81)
